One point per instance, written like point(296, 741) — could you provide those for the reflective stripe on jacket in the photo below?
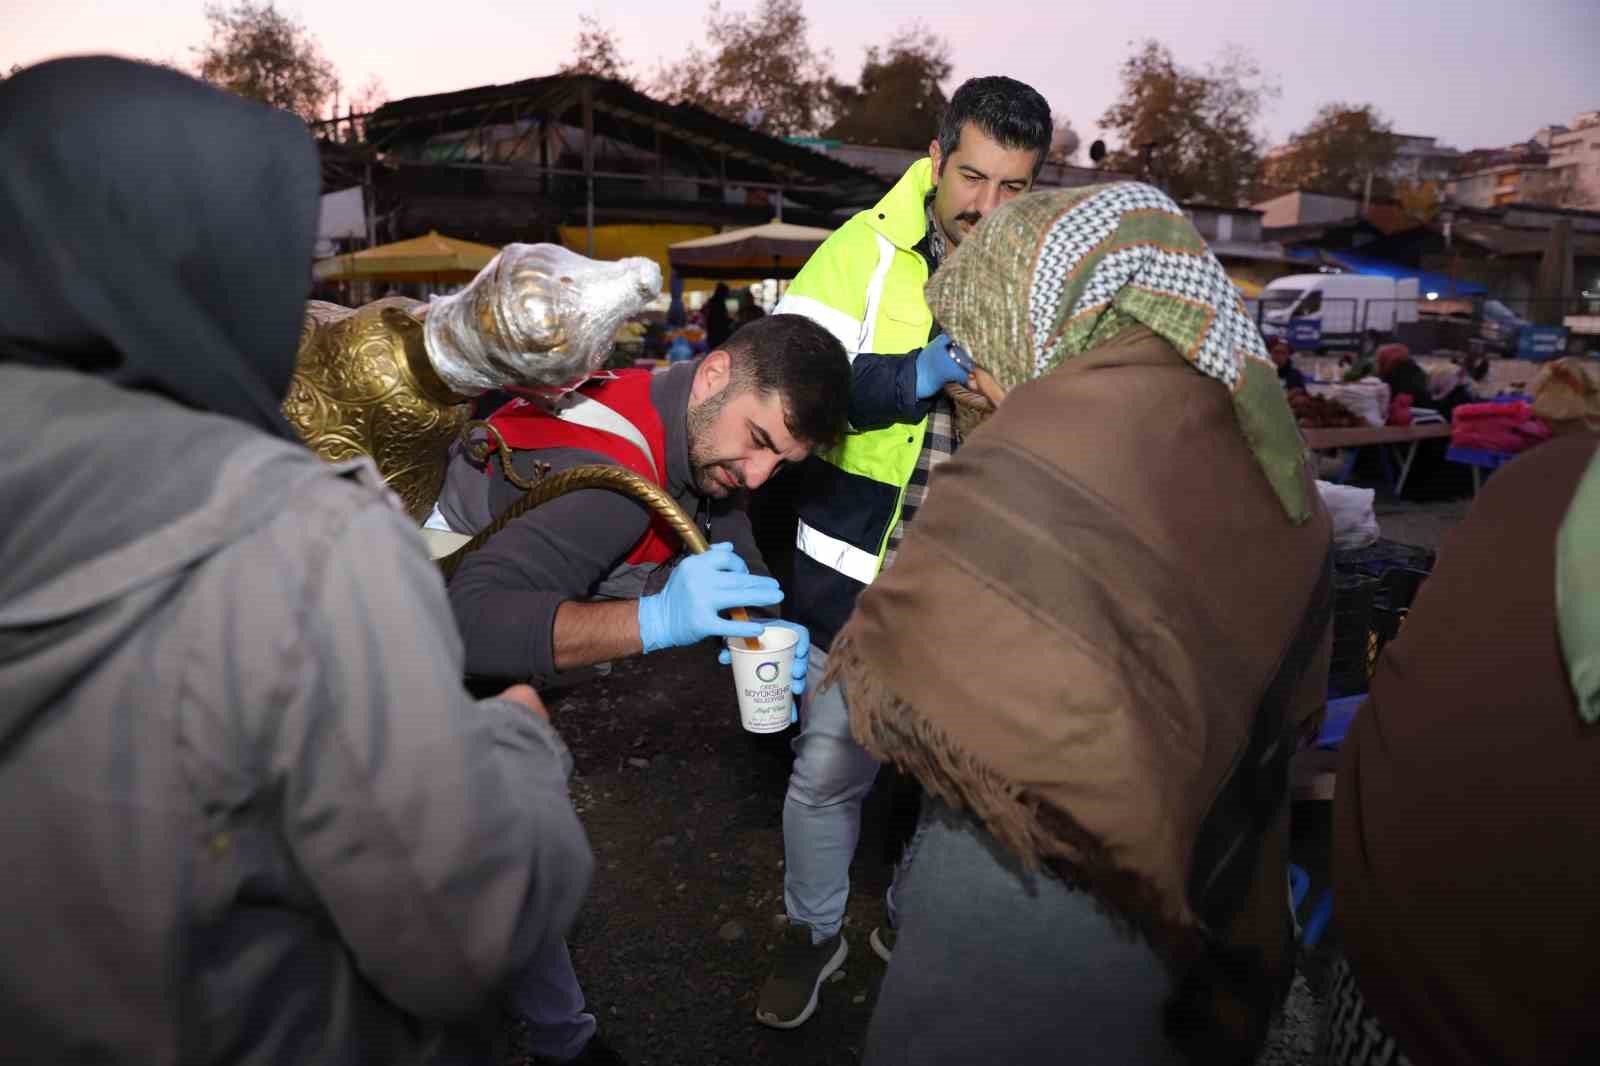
point(864, 284)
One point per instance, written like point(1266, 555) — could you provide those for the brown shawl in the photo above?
point(1465, 870)
point(1075, 639)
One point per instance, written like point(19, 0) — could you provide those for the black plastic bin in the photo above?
point(1353, 596)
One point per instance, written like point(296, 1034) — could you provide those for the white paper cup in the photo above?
point(762, 679)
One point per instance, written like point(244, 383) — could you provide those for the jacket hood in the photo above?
point(156, 258)
point(900, 215)
point(158, 233)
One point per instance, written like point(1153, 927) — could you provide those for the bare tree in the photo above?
point(372, 95)
point(598, 51)
point(260, 53)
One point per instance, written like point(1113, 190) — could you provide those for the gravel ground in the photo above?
point(684, 810)
point(1420, 524)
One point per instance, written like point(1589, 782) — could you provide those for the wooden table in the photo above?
point(1402, 439)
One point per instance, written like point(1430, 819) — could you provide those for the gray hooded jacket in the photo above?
point(250, 815)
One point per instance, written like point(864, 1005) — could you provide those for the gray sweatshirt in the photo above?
point(250, 814)
point(573, 547)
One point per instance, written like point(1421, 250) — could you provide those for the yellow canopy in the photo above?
point(1251, 289)
point(434, 257)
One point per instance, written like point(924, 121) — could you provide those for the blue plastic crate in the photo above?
point(1336, 723)
point(1480, 457)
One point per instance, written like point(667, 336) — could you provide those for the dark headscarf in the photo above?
point(156, 232)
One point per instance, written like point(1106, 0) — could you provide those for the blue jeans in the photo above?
point(831, 777)
point(995, 964)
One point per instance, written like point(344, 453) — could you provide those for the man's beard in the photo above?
point(702, 464)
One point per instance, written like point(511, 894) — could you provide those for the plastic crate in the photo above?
point(1341, 714)
point(1353, 636)
point(1398, 587)
point(1384, 555)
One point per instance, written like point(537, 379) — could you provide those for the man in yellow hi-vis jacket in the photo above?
point(855, 500)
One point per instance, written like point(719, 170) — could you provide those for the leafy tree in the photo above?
point(899, 99)
point(260, 53)
point(598, 51)
point(1192, 132)
point(1336, 153)
point(764, 71)
point(1420, 200)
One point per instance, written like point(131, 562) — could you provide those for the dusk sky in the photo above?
point(1474, 73)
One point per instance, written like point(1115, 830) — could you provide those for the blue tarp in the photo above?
point(1427, 281)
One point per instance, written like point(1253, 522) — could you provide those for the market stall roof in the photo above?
point(1516, 241)
point(623, 113)
point(1427, 280)
point(431, 257)
point(774, 250)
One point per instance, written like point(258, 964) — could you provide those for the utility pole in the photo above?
point(588, 161)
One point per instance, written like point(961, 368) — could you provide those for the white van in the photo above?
point(1343, 305)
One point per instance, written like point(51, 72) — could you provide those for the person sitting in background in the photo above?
point(1289, 375)
point(1451, 385)
point(1069, 657)
point(1403, 375)
point(1466, 879)
point(1431, 477)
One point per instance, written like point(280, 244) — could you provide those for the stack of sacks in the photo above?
point(1566, 395)
point(1497, 427)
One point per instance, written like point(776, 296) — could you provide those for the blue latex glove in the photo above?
point(802, 650)
point(686, 611)
point(939, 364)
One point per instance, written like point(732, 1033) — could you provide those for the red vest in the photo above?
point(528, 426)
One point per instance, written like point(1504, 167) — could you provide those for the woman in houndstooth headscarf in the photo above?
point(1096, 651)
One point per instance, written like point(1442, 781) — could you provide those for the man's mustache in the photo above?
point(970, 217)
